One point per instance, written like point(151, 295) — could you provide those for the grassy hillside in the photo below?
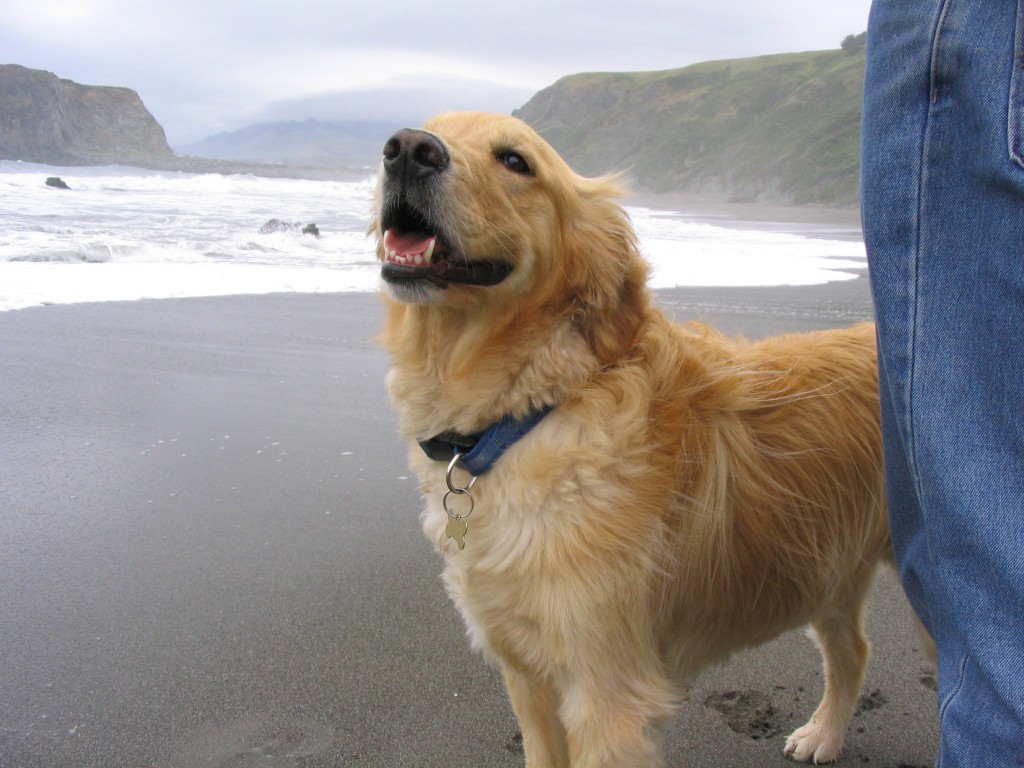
point(782, 129)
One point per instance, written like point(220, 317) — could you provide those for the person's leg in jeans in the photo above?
point(943, 209)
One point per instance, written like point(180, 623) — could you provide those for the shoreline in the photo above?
point(53, 272)
point(33, 283)
point(806, 220)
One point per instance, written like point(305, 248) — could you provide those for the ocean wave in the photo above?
point(147, 233)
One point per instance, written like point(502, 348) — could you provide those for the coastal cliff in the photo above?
point(45, 119)
point(782, 128)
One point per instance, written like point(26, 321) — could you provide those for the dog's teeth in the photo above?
point(417, 259)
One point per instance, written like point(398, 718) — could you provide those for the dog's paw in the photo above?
point(815, 743)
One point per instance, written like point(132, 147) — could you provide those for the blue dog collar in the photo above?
point(479, 452)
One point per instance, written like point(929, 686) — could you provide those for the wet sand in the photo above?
point(210, 555)
point(807, 220)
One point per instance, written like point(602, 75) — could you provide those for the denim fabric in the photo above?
point(943, 208)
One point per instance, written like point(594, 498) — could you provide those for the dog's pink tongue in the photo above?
point(407, 243)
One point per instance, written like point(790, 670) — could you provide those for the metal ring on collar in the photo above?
point(455, 515)
point(448, 477)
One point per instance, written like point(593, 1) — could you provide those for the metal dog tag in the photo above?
point(456, 529)
point(457, 523)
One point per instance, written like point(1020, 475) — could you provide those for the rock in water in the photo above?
point(57, 182)
point(277, 225)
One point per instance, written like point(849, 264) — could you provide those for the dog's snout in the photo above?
point(413, 154)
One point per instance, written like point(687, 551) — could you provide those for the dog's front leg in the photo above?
point(617, 725)
point(536, 705)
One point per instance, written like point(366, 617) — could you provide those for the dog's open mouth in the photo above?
point(414, 250)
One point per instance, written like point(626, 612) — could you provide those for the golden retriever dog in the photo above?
point(668, 497)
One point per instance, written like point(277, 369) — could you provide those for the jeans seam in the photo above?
point(1015, 104)
point(933, 64)
point(914, 325)
point(955, 689)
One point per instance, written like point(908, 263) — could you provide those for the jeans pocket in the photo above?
point(1015, 123)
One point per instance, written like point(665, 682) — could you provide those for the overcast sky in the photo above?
point(205, 66)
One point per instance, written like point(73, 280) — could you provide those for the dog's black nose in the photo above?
point(412, 154)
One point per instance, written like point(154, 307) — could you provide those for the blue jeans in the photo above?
point(943, 208)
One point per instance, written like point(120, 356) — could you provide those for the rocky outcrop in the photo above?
point(277, 225)
point(45, 119)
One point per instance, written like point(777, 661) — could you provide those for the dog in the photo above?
point(658, 496)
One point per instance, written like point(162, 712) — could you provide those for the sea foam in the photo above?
point(126, 233)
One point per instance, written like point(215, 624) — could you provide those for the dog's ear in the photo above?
point(605, 268)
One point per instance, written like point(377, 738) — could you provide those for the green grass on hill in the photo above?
point(783, 129)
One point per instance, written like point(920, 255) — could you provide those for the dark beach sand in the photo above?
point(210, 555)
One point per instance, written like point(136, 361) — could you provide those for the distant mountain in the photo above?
point(398, 101)
point(44, 119)
point(310, 143)
point(782, 129)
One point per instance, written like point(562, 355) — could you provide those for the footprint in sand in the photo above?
point(750, 713)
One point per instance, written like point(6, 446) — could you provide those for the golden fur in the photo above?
point(688, 496)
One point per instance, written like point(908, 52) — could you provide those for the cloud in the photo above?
point(407, 100)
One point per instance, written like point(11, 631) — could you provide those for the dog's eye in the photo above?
point(515, 162)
